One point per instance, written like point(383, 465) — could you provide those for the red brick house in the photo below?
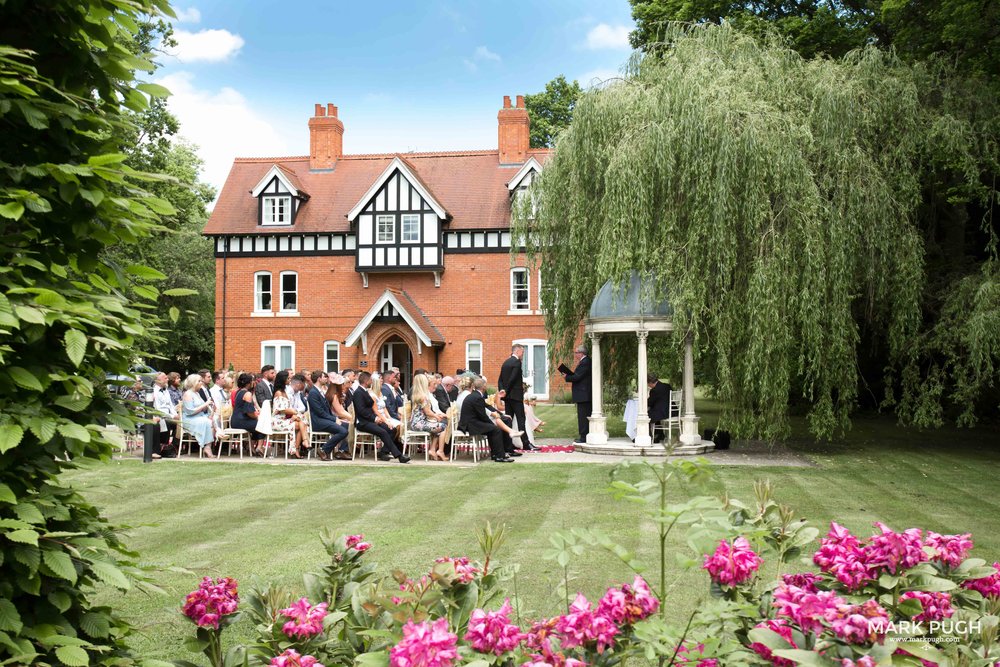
point(332, 261)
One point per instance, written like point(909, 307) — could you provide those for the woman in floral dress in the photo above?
point(284, 417)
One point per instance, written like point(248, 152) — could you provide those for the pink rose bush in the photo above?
point(936, 606)
point(291, 658)
point(306, 621)
point(733, 564)
point(628, 604)
point(357, 542)
point(427, 644)
point(207, 604)
point(462, 570)
point(492, 631)
point(989, 586)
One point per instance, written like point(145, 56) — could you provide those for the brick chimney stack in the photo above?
point(326, 138)
point(512, 131)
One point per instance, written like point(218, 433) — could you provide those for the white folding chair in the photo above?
point(183, 436)
point(316, 438)
point(359, 438)
point(460, 440)
point(411, 437)
point(673, 417)
point(229, 435)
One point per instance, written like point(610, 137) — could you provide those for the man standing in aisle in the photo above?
point(580, 379)
point(511, 388)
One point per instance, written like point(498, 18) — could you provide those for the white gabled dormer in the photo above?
point(399, 224)
point(525, 175)
point(279, 197)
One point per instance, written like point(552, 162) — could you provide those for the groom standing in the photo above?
point(511, 390)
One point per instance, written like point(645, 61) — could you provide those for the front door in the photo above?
point(535, 366)
point(396, 353)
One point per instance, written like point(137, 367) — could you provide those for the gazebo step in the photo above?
point(624, 447)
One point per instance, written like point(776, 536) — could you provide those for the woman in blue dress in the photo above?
point(198, 414)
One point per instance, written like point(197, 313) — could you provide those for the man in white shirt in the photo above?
point(163, 404)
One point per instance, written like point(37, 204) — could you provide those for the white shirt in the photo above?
point(297, 400)
point(162, 402)
point(218, 395)
point(460, 400)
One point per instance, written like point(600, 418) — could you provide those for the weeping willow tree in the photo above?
point(770, 198)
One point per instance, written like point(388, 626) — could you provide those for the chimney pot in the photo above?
point(331, 111)
point(326, 138)
point(513, 135)
point(319, 110)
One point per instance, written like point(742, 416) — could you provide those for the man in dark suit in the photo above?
point(658, 404)
point(349, 382)
point(511, 389)
point(369, 422)
point(389, 392)
point(475, 421)
point(264, 391)
point(441, 394)
point(582, 396)
point(324, 421)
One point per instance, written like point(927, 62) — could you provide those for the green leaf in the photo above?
point(36, 117)
point(75, 431)
point(10, 620)
point(808, 658)
point(375, 659)
point(62, 601)
point(106, 159)
point(60, 563)
point(154, 89)
point(180, 291)
point(110, 574)
point(174, 313)
point(145, 272)
point(76, 345)
point(29, 314)
point(23, 378)
point(161, 206)
point(74, 656)
point(95, 625)
point(13, 210)
point(10, 436)
point(6, 495)
point(29, 512)
point(23, 536)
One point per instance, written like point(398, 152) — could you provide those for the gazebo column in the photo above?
point(598, 434)
point(689, 422)
point(642, 438)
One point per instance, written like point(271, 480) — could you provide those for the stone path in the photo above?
point(746, 454)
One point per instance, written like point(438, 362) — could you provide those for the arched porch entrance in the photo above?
point(395, 353)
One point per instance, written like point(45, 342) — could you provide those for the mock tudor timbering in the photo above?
point(431, 229)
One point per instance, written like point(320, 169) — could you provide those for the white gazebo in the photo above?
point(626, 309)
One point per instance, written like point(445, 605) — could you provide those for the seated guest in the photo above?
point(464, 386)
point(451, 387)
point(441, 389)
point(389, 394)
point(167, 408)
point(197, 414)
point(297, 393)
point(658, 404)
point(423, 417)
point(285, 418)
point(381, 406)
point(474, 420)
point(324, 421)
point(370, 422)
point(245, 411)
point(174, 387)
point(335, 395)
point(349, 380)
point(495, 408)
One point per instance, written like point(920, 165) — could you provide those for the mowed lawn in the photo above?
point(252, 520)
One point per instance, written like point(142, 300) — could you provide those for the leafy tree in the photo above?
point(772, 199)
point(66, 194)
point(965, 32)
point(551, 110)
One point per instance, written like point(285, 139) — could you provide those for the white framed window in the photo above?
point(289, 284)
point(385, 229)
point(331, 356)
point(535, 366)
point(277, 353)
point(519, 289)
point(262, 292)
point(276, 210)
point(410, 228)
point(474, 356)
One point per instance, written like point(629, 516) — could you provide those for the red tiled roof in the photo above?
point(470, 185)
point(418, 315)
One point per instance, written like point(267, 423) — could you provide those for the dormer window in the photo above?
point(277, 210)
point(279, 195)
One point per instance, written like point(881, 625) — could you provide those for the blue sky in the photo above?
point(405, 75)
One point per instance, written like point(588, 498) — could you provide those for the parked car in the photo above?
point(120, 384)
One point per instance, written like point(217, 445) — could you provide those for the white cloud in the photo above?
point(604, 36)
point(190, 15)
point(482, 53)
point(205, 45)
point(222, 124)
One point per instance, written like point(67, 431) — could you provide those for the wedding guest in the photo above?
point(285, 419)
point(324, 421)
point(197, 414)
point(423, 417)
point(245, 412)
point(369, 422)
